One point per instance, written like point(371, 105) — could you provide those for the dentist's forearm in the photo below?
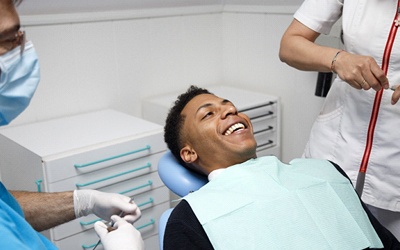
point(46, 210)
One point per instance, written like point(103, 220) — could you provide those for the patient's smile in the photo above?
point(234, 127)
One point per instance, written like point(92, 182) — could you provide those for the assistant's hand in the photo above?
point(361, 72)
point(396, 93)
point(104, 205)
point(124, 237)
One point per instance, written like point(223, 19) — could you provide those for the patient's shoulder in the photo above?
point(182, 212)
point(340, 170)
point(182, 208)
point(184, 230)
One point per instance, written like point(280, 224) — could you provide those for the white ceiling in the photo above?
point(45, 7)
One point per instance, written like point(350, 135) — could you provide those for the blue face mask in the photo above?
point(19, 77)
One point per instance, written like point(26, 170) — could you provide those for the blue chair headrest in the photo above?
point(177, 178)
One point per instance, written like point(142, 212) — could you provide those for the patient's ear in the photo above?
point(188, 154)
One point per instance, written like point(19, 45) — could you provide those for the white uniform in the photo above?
point(340, 133)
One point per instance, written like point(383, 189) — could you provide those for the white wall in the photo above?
point(88, 66)
point(93, 65)
point(251, 44)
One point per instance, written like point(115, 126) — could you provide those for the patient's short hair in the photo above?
point(174, 121)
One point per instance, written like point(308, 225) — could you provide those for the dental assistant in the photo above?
point(23, 214)
point(357, 126)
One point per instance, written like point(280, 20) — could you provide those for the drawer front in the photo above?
point(152, 243)
point(269, 109)
point(136, 186)
point(264, 123)
point(147, 225)
point(108, 176)
point(145, 201)
point(72, 243)
point(275, 150)
point(103, 156)
point(266, 139)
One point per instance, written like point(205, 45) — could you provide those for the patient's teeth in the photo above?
point(233, 128)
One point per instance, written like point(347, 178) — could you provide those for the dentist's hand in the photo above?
point(396, 94)
point(124, 237)
point(361, 72)
point(104, 205)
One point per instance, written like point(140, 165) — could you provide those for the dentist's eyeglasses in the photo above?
point(12, 42)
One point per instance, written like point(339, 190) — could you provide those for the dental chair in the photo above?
point(180, 180)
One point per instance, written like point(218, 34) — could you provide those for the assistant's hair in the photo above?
point(174, 122)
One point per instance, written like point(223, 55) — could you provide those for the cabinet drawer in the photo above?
point(72, 243)
point(266, 138)
point(152, 243)
point(152, 198)
point(87, 160)
point(144, 200)
point(269, 151)
point(147, 225)
point(264, 123)
point(108, 176)
point(134, 187)
point(262, 110)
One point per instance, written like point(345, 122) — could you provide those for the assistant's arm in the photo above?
point(46, 210)
point(299, 50)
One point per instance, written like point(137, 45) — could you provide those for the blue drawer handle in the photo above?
point(149, 183)
point(265, 144)
point(150, 201)
point(39, 185)
point(265, 130)
point(88, 223)
point(89, 246)
point(148, 165)
point(111, 158)
point(152, 221)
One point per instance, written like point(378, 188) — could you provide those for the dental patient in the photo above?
point(258, 203)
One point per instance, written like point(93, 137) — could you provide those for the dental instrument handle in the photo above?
point(111, 226)
point(360, 183)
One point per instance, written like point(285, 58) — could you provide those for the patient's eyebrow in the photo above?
point(223, 102)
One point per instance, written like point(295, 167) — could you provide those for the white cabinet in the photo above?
point(263, 110)
point(104, 150)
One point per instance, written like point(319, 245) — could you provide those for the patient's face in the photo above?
point(220, 136)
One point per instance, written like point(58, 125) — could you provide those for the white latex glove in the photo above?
point(124, 237)
point(104, 205)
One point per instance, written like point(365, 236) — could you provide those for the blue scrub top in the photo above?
point(15, 231)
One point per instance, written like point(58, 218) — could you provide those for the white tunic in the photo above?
point(340, 132)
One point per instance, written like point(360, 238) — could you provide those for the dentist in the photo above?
point(24, 214)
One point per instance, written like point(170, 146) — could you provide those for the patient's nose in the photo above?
point(228, 110)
